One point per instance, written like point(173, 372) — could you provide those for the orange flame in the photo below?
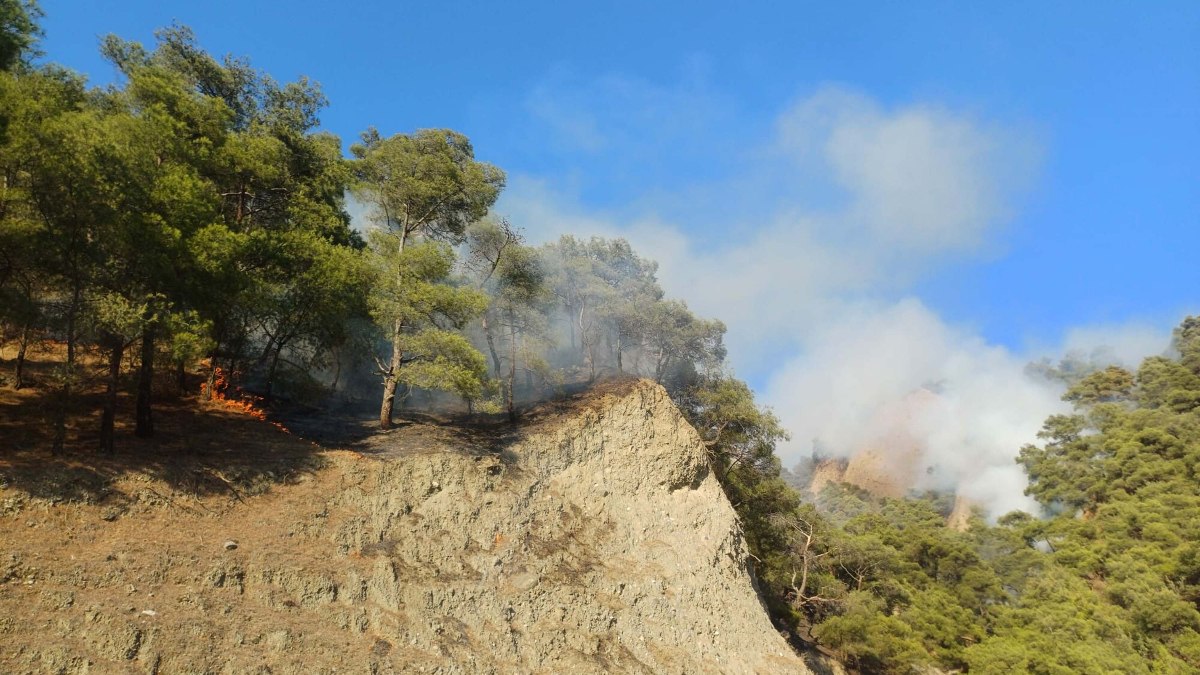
point(241, 402)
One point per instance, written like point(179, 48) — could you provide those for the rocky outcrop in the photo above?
point(960, 516)
point(595, 541)
point(892, 464)
point(876, 471)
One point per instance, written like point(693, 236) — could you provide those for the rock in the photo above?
point(602, 544)
point(607, 546)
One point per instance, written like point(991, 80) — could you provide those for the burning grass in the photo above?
point(227, 448)
point(227, 395)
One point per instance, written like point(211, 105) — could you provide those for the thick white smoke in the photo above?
point(981, 410)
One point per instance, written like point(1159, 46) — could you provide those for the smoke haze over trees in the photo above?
point(194, 219)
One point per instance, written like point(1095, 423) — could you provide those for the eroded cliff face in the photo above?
point(594, 540)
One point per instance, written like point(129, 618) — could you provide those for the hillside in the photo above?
point(593, 538)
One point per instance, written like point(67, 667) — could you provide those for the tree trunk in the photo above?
point(389, 379)
point(271, 372)
point(337, 368)
point(109, 416)
point(591, 361)
point(393, 372)
point(60, 417)
point(209, 394)
point(512, 366)
point(266, 352)
point(528, 373)
point(491, 342)
point(571, 323)
point(181, 377)
point(19, 368)
point(145, 390)
point(582, 328)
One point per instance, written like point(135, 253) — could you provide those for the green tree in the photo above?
point(738, 433)
point(413, 289)
point(54, 156)
point(490, 244)
point(521, 300)
point(871, 640)
point(24, 278)
point(19, 31)
point(1110, 385)
point(1059, 626)
point(1129, 470)
point(1164, 382)
point(1186, 342)
point(603, 286)
point(426, 185)
point(274, 202)
point(676, 340)
point(318, 289)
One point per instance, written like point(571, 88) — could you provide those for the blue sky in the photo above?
point(1107, 231)
point(1021, 177)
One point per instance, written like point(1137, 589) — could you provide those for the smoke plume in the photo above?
point(853, 203)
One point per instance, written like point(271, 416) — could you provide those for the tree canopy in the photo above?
point(1105, 582)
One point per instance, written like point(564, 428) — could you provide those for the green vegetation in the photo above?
point(1110, 584)
point(195, 215)
point(424, 186)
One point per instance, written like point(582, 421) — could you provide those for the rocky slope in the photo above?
point(593, 539)
point(893, 463)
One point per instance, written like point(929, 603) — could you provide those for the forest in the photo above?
point(186, 233)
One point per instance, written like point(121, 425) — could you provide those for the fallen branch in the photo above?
point(216, 474)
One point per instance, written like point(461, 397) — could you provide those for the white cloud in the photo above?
point(612, 113)
point(921, 178)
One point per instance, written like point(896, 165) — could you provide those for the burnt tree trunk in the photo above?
point(272, 371)
point(337, 368)
point(19, 367)
point(209, 394)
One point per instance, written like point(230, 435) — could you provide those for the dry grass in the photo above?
point(196, 449)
